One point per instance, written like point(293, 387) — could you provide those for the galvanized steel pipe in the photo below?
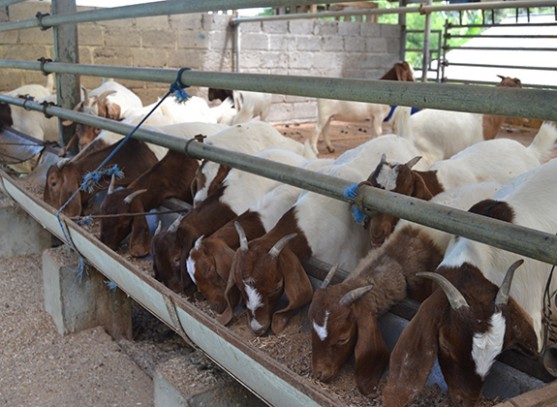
point(524, 241)
point(530, 103)
point(159, 8)
point(4, 3)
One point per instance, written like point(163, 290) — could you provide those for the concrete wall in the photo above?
point(204, 42)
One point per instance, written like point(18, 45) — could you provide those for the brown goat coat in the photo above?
point(417, 184)
point(439, 331)
point(354, 327)
point(204, 219)
point(169, 178)
point(285, 272)
point(214, 259)
point(132, 159)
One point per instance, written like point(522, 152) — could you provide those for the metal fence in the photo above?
point(530, 103)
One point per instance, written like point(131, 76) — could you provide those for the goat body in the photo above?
point(474, 317)
point(323, 228)
point(237, 193)
point(494, 160)
point(65, 177)
point(440, 134)
point(169, 178)
point(344, 316)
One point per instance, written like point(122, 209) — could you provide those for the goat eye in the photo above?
point(343, 341)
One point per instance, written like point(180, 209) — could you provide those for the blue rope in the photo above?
point(92, 179)
point(351, 192)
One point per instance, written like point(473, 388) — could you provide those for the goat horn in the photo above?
point(502, 297)
point(381, 163)
point(277, 248)
point(112, 184)
point(329, 276)
point(85, 93)
point(174, 226)
point(128, 199)
point(351, 296)
point(158, 229)
point(455, 297)
point(413, 161)
point(242, 236)
point(60, 164)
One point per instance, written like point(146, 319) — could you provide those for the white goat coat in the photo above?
point(532, 197)
point(439, 134)
point(496, 160)
point(332, 234)
point(248, 138)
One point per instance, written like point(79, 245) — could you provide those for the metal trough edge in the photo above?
point(269, 380)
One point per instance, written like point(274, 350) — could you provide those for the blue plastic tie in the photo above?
point(177, 87)
point(351, 192)
point(111, 285)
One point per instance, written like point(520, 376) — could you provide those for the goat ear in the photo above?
point(113, 111)
point(231, 293)
point(420, 191)
point(522, 334)
point(371, 353)
point(297, 288)
point(223, 262)
point(140, 238)
point(414, 353)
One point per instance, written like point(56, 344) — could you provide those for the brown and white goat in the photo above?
point(343, 316)
point(169, 178)
point(345, 110)
point(65, 177)
point(248, 138)
point(476, 314)
point(110, 100)
point(494, 160)
point(322, 226)
point(209, 261)
point(234, 196)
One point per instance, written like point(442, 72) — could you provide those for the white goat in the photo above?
point(344, 110)
point(251, 105)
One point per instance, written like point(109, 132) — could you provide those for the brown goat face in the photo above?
point(202, 269)
point(166, 261)
point(86, 134)
point(333, 335)
point(262, 295)
point(59, 187)
point(115, 229)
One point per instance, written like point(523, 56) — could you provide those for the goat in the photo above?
point(110, 100)
point(440, 134)
point(496, 160)
point(208, 264)
point(251, 105)
point(247, 138)
point(344, 110)
point(185, 130)
point(344, 316)
point(65, 177)
point(317, 226)
point(476, 314)
point(146, 192)
point(248, 105)
point(237, 193)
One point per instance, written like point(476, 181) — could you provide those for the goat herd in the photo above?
point(243, 243)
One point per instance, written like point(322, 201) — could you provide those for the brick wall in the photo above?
point(204, 42)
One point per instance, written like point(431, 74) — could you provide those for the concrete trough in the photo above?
point(268, 379)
